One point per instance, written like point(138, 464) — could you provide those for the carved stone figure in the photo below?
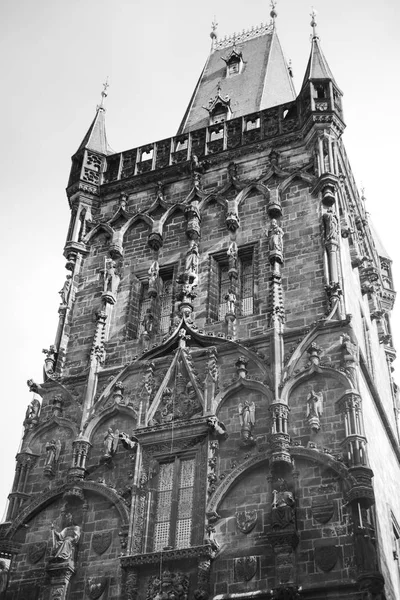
point(32, 414)
point(246, 520)
point(111, 279)
point(217, 427)
point(53, 449)
point(110, 442)
point(275, 237)
point(283, 511)
point(331, 226)
point(169, 586)
point(247, 411)
point(153, 279)
point(64, 292)
point(148, 322)
point(192, 262)
point(232, 252)
point(127, 441)
point(232, 221)
point(314, 409)
point(3, 576)
point(66, 540)
point(50, 360)
point(231, 301)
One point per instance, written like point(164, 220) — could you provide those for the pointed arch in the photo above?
point(260, 187)
point(308, 454)
point(240, 385)
point(96, 230)
point(309, 179)
point(44, 499)
point(172, 209)
point(217, 197)
point(53, 422)
point(135, 219)
point(295, 381)
point(107, 413)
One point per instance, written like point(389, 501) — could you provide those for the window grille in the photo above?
point(224, 283)
point(174, 507)
point(166, 303)
point(247, 286)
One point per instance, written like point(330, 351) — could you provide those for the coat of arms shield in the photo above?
point(246, 520)
point(95, 586)
point(101, 541)
point(322, 510)
point(326, 557)
point(245, 567)
point(36, 552)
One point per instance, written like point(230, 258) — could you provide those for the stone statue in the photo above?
point(153, 277)
point(314, 409)
point(232, 252)
point(127, 442)
point(283, 512)
point(53, 449)
point(65, 541)
point(110, 442)
point(192, 262)
point(247, 418)
point(33, 386)
point(111, 279)
point(3, 576)
point(217, 427)
point(148, 322)
point(275, 237)
point(231, 301)
point(33, 410)
point(64, 292)
point(331, 226)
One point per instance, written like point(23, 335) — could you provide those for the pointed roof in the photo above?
point(96, 138)
point(317, 67)
point(263, 80)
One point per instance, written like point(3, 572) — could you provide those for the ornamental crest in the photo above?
point(245, 567)
point(325, 557)
point(170, 586)
point(101, 541)
point(95, 586)
point(246, 521)
point(322, 510)
point(36, 552)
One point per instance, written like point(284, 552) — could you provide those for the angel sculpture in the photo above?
point(110, 442)
point(247, 418)
point(314, 409)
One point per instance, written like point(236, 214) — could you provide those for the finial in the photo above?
point(104, 93)
point(273, 13)
point(290, 67)
point(314, 23)
point(214, 34)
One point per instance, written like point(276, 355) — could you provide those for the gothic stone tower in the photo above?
point(217, 418)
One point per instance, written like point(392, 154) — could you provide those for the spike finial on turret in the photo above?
point(214, 34)
point(273, 13)
point(313, 23)
point(104, 93)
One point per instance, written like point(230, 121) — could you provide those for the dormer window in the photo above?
point(219, 108)
point(219, 114)
point(233, 63)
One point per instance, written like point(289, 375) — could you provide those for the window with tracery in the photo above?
point(166, 300)
point(144, 306)
point(244, 285)
point(174, 504)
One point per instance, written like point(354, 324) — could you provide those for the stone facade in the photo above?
point(218, 417)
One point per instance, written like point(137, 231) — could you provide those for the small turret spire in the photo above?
point(103, 94)
point(313, 23)
point(273, 13)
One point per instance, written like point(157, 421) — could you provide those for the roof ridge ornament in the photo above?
point(214, 33)
point(273, 14)
point(238, 38)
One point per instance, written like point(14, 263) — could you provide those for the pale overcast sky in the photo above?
point(56, 54)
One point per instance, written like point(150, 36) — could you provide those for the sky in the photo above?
point(55, 56)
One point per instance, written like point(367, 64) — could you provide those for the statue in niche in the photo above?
point(53, 450)
point(153, 278)
point(331, 226)
point(32, 414)
point(247, 418)
point(283, 506)
point(275, 237)
point(192, 262)
point(314, 409)
point(3, 576)
point(110, 442)
point(127, 442)
point(230, 298)
point(65, 290)
point(111, 279)
point(148, 322)
point(232, 252)
point(66, 540)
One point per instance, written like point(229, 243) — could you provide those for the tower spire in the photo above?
point(313, 23)
point(104, 94)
